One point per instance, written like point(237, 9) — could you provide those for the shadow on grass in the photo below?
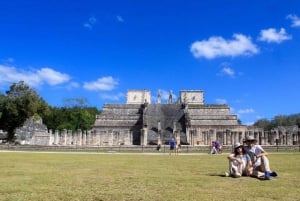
point(252, 177)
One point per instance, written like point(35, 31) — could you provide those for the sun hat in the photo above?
point(237, 145)
point(250, 138)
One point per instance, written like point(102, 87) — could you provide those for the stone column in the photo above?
point(51, 138)
point(144, 134)
point(240, 137)
point(88, 138)
point(79, 137)
point(188, 137)
point(159, 132)
point(93, 138)
point(228, 137)
point(207, 138)
point(224, 138)
point(64, 137)
point(263, 138)
point(84, 138)
point(290, 137)
point(236, 137)
point(56, 137)
point(69, 140)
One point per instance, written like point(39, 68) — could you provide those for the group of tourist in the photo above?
point(216, 148)
point(249, 159)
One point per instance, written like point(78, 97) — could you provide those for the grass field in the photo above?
point(132, 177)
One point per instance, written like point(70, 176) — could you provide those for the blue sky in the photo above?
point(241, 53)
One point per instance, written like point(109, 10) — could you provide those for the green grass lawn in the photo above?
point(110, 177)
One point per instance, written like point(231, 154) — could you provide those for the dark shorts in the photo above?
point(171, 148)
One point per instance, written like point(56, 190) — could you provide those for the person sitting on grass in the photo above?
point(260, 161)
point(239, 162)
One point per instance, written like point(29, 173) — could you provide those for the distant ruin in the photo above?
point(139, 122)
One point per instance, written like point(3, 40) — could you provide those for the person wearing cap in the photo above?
point(260, 161)
point(239, 162)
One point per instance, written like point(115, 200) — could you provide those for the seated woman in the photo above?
point(239, 162)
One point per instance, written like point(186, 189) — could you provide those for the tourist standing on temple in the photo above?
point(259, 159)
point(239, 162)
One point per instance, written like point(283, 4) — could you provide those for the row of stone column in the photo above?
point(194, 137)
point(229, 137)
point(93, 138)
point(67, 137)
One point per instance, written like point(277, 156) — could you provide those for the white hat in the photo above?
point(250, 138)
point(237, 145)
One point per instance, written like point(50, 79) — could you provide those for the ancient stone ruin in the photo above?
point(140, 122)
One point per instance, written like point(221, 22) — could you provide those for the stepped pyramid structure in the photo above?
point(189, 120)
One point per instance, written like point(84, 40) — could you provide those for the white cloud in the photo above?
point(104, 83)
point(52, 77)
point(245, 111)
point(228, 71)
point(221, 101)
point(295, 20)
point(217, 46)
point(9, 74)
point(113, 97)
point(272, 35)
point(91, 22)
point(120, 18)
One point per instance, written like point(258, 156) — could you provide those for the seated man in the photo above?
point(260, 161)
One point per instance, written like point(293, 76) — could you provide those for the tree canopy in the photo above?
point(19, 103)
point(279, 120)
point(73, 118)
point(22, 102)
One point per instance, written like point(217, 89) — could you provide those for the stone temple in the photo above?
point(188, 119)
point(140, 122)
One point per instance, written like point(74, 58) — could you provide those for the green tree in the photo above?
point(2, 100)
point(20, 103)
point(71, 118)
point(264, 123)
point(239, 122)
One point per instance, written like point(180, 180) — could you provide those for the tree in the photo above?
point(239, 122)
point(264, 123)
point(2, 100)
point(20, 103)
point(71, 118)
